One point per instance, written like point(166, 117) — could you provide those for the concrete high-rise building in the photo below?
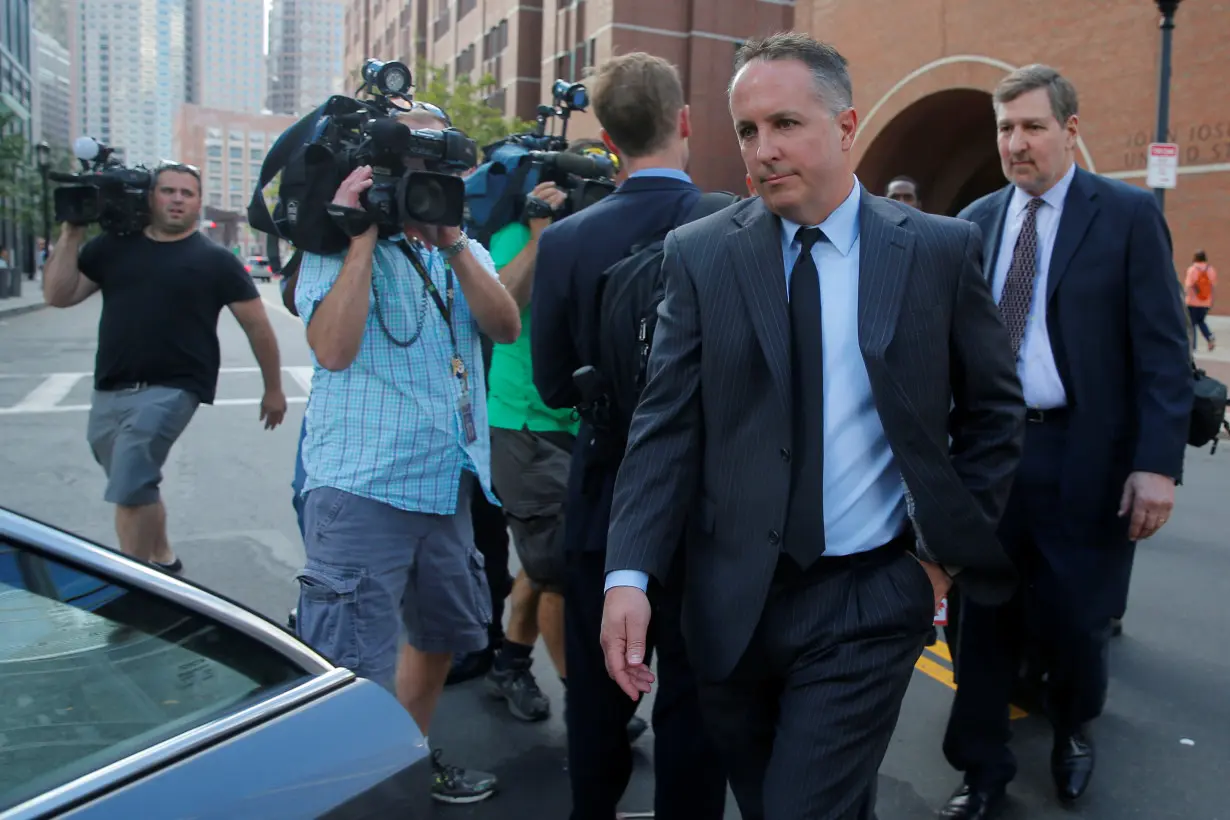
point(51, 18)
point(224, 53)
point(305, 54)
point(129, 67)
point(52, 74)
point(525, 45)
point(229, 148)
point(16, 92)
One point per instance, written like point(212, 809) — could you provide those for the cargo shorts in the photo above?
point(530, 472)
point(376, 575)
point(131, 432)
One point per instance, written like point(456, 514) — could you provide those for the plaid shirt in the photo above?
point(387, 427)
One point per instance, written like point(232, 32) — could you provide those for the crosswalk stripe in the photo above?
point(55, 387)
point(49, 393)
point(81, 408)
point(303, 375)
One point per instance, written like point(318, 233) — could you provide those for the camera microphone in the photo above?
point(85, 148)
point(584, 167)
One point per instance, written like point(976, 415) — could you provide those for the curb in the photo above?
point(9, 313)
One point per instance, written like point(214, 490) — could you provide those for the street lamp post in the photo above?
point(44, 167)
point(1167, 8)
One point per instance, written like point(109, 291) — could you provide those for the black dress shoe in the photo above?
point(1072, 764)
point(968, 803)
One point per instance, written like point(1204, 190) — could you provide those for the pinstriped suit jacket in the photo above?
point(710, 442)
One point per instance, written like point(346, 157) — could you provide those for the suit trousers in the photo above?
point(1062, 609)
point(806, 716)
point(689, 783)
point(491, 539)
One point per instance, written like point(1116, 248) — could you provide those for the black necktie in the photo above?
point(804, 539)
point(1018, 293)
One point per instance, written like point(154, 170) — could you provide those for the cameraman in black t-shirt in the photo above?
point(158, 357)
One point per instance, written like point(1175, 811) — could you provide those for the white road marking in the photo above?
point(54, 387)
point(303, 375)
point(81, 408)
point(49, 393)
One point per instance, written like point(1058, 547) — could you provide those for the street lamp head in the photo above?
point(1167, 7)
point(44, 154)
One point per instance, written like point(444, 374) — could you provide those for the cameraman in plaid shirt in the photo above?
point(396, 444)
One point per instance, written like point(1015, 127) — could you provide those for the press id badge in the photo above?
point(941, 614)
point(466, 409)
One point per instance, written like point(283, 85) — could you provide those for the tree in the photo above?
point(21, 182)
point(465, 102)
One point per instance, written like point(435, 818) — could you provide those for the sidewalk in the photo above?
point(31, 299)
point(1217, 363)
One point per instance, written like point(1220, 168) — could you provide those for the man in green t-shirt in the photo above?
point(531, 450)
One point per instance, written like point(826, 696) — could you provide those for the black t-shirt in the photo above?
point(161, 302)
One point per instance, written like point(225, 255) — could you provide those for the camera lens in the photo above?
point(425, 200)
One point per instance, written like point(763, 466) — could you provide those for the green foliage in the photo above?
point(20, 179)
point(465, 101)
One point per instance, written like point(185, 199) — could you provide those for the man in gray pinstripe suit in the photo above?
point(833, 415)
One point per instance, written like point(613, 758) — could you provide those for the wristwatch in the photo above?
point(449, 251)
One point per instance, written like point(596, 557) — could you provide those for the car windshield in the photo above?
point(92, 672)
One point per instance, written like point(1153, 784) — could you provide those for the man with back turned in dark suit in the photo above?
point(815, 349)
point(638, 100)
point(1082, 270)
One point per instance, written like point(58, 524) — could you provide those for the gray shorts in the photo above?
point(373, 570)
point(530, 471)
point(131, 432)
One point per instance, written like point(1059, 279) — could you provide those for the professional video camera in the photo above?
point(104, 191)
point(414, 172)
point(513, 166)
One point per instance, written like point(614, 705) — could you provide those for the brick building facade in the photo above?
point(527, 44)
point(923, 73)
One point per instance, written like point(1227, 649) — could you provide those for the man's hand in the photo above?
point(625, 622)
point(941, 582)
point(550, 195)
point(358, 181)
point(1149, 498)
point(433, 236)
point(273, 408)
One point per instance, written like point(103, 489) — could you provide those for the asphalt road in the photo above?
point(1163, 744)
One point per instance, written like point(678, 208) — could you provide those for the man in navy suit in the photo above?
point(638, 100)
point(1082, 270)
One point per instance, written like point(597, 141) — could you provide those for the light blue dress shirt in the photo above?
point(864, 494)
point(1036, 368)
point(669, 173)
point(388, 427)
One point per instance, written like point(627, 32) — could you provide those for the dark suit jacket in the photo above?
point(713, 429)
point(1117, 329)
point(572, 253)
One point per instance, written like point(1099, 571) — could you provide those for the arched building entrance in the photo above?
point(945, 141)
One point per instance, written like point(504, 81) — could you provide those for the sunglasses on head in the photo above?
point(182, 167)
point(431, 109)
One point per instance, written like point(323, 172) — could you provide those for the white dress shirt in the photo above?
point(1036, 361)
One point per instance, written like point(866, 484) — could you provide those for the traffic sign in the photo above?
point(1163, 169)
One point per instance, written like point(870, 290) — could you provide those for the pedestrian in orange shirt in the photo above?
point(1201, 283)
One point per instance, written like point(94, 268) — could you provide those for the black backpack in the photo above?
point(627, 298)
point(1208, 410)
